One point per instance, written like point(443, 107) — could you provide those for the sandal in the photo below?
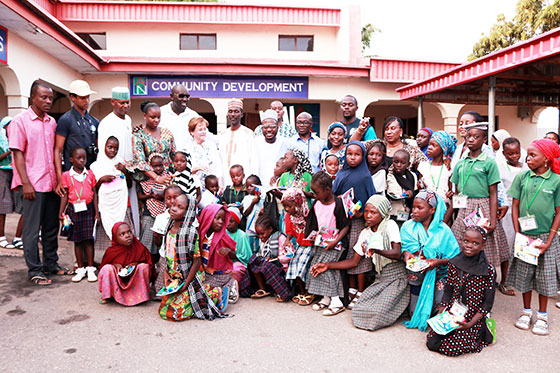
point(18, 244)
point(62, 272)
point(279, 299)
point(105, 301)
point(5, 243)
point(506, 290)
point(40, 280)
point(306, 300)
point(333, 311)
point(319, 307)
point(260, 294)
point(354, 300)
point(297, 298)
point(224, 301)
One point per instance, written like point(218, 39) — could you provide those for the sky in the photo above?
point(437, 30)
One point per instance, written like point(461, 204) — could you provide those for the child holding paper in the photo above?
point(401, 184)
point(471, 283)
point(534, 192)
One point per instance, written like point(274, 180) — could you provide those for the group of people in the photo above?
point(196, 220)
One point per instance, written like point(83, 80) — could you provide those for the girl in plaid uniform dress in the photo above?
point(534, 194)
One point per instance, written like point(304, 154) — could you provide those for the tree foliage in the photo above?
point(532, 18)
point(367, 34)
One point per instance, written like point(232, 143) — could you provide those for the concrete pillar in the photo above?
point(420, 113)
point(220, 109)
point(491, 108)
point(450, 116)
point(17, 104)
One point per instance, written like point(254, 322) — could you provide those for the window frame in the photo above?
point(198, 35)
point(295, 38)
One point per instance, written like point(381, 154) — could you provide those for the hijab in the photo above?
point(357, 177)
point(124, 255)
point(446, 142)
point(324, 163)
point(384, 164)
point(219, 240)
point(430, 132)
point(331, 128)
point(383, 206)
point(296, 196)
point(475, 265)
point(551, 151)
point(438, 242)
point(303, 165)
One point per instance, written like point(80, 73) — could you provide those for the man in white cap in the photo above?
point(268, 148)
point(235, 141)
point(75, 128)
point(118, 124)
point(284, 129)
point(175, 116)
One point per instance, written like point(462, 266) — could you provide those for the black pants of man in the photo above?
point(41, 214)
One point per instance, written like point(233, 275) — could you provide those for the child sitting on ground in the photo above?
point(153, 198)
point(211, 187)
point(183, 177)
point(243, 250)
point(80, 204)
point(401, 184)
point(236, 192)
point(252, 205)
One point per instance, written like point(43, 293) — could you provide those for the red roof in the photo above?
point(535, 49)
point(405, 71)
point(184, 12)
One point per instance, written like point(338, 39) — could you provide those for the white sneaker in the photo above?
point(91, 277)
point(540, 327)
point(524, 321)
point(234, 292)
point(80, 274)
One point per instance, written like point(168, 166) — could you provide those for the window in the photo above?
point(302, 43)
point(198, 41)
point(96, 40)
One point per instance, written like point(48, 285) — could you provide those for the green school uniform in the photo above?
point(242, 248)
point(525, 186)
point(287, 180)
point(473, 176)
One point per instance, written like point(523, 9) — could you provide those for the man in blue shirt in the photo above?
point(75, 128)
point(306, 141)
point(348, 106)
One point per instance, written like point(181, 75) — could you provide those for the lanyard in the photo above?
point(439, 177)
point(464, 181)
point(529, 204)
point(81, 189)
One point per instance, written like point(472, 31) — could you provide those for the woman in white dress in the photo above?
point(204, 154)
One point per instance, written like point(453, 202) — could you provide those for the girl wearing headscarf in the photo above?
point(336, 134)
point(534, 194)
point(217, 248)
point(355, 174)
point(296, 208)
point(498, 138)
point(427, 237)
point(378, 166)
point(125, 251)
point(298, 172)
point(383, 302)
point(471, 282)
point(423, 139)
point(435, 174)
point(183, 258)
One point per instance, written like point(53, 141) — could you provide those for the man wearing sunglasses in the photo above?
point(175, 116)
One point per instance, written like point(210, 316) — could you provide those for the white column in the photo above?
point(420, 113)
point(491, 108)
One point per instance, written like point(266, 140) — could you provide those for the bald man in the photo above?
point(175, 116)
point(307, 141)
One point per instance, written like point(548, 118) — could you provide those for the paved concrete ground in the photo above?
point(63, 328)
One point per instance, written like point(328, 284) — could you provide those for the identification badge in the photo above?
point(459, 202)
point(80, 206)
point(528, 223)
point(402, 216)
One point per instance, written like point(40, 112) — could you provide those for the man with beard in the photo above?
point(268, 148)
point(175, 116)
point(236, 141)
point(348, 106)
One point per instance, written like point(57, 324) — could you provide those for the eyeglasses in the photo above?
point(183, 95)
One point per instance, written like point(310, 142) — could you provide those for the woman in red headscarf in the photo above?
point(534, 192)
point(126, 269)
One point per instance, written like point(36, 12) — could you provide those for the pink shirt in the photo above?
point(77, 184)
point(325, 215)
point(28, 129)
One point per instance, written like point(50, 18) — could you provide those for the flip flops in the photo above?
point(260, 294)
point(40, 280)
point(225, 297)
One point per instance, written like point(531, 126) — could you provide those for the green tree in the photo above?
point(367, 33)
point(532, 17)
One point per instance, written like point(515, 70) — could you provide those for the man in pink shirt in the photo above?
point(31, 138)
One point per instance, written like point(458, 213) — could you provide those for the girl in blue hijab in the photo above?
point(427, 237)
point(355, 174)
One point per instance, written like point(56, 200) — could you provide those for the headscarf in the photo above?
point(324, 163)
point(303, 165)
point(551, 151)
point(476, 265)
point(438, 242)
point(220, 239)
point(383, 165)
point(202, 305)
point(429, 130)
point(124, 255)
point(446, 142)
point(331, 128)
point(500, 136)
point(428, 196)
point(382, 205)
point(357, 177)
point(296, 196)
